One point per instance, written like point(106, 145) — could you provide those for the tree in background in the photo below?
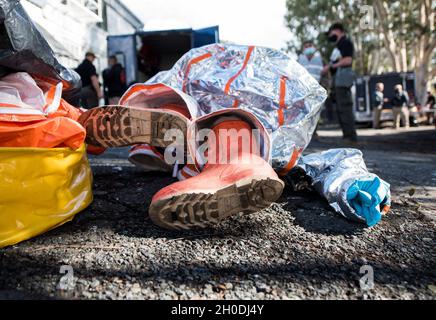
point(388, 35)
point(310, 19)
point(408, 31)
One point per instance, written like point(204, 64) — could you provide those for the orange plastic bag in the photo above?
point(49, 133)
point(31, 117)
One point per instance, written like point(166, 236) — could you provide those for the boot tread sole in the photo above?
point(117, 126)
point(200, 210)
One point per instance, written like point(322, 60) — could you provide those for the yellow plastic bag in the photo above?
point(41, 189)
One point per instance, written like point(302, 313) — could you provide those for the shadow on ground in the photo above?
point(421, 141)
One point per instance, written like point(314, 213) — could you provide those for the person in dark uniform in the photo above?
point(430, 108)
point(378, 100)
point(340, 67)
point(114, 80)
point(400, 107)
point(91, 91)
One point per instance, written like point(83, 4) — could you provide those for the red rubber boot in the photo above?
point(234, 180)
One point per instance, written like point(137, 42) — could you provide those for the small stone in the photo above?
point(363, 260)
point(263, 288)
point(323, 291)
point(260, 296)
point(221, 286)
point(208, 289)
point(95, 283)
point(136, 288)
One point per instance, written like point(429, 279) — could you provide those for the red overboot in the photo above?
point(234, 180)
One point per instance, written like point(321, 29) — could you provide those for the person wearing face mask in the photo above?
point(340, 67)
point(400, 108)
point(311, 60)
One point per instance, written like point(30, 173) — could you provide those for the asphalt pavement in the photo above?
point(298, 248)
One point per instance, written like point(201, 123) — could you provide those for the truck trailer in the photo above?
point(364, 89)
point(145, 53)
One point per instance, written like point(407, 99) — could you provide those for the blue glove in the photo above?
point(366, 196)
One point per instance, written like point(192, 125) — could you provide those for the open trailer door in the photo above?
point(124, 48)
point(202, 37)
point(145, 53)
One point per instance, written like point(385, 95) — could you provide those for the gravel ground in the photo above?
point(296, 249)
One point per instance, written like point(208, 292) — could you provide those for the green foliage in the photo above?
point(309, 19)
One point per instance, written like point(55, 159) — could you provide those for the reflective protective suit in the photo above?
point(261, 83)
point(263, 86)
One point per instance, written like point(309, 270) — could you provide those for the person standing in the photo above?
point(114, 80)
point(400, 106)
point(377, 103)
point(91, 91)
point(311, 60)
point(340, 67)
point(430, 108)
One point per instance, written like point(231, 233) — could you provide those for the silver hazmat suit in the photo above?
point(334, 172)
point(267, 83)
point(269, 87)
